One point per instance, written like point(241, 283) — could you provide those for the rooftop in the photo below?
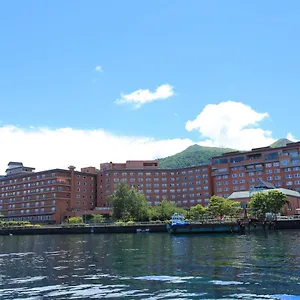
point(248, 194)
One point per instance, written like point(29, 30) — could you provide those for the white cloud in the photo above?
point(140, 97)
point(98, 69)
point(291, 137)
point(47, 149)
point(231, 124)
point(228, 124)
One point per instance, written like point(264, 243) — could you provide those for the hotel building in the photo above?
point(241, 171)
point(50, 196)
point(53, 196)
point(185, 187)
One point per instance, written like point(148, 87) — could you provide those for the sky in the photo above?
point(86, 82)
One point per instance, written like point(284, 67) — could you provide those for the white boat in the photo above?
point(178, 219)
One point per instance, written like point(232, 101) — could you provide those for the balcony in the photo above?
point(223, 171)
point(104, 210)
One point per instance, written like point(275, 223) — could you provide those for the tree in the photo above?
point(75, 220)
point(119, 200)
point(271, 202)
point(220, 207)
point(164, 210)
point(96, 219)
point(128, 204)
point(137, 206)
point(197, 212)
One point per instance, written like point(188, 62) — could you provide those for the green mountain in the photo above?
point(280, 143)
point(192, 156)
point(198, 155)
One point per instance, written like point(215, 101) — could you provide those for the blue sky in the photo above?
point(209, 52)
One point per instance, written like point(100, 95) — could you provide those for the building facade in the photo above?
point(53, 196)
point(241, 171)
point(50, 196)
point(185, 187)
point(293, 197)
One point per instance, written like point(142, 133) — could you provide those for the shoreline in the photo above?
point(139, 228)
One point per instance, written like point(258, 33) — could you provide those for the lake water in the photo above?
point(151, 266)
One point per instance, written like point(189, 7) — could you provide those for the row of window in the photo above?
point(149, 190)
point(28, 211)
point(84, 190)
point(29, 218)
point(293, 162)
point(179, 202)
point(37, 197)
point(83, 203)
point(157, 185)
point(28, 204)
point(164, 179)
point(39, 176)
point(34, 184)
point(158, 173)
point(34, 191)
point(85, 177)
point(78, 196)
point(83, 183)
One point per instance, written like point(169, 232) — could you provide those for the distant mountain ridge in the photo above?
point(280, 143)
point(192, 156)
point(196, 155)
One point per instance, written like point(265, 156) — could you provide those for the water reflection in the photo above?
point(151, 266)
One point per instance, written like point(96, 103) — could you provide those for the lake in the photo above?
point(151, 266)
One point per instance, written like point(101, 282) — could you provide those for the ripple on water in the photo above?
point(170, 279)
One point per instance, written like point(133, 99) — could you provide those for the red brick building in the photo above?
point(185, 187)
point(241, 171)
point(53, 196)
point(49, 196)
